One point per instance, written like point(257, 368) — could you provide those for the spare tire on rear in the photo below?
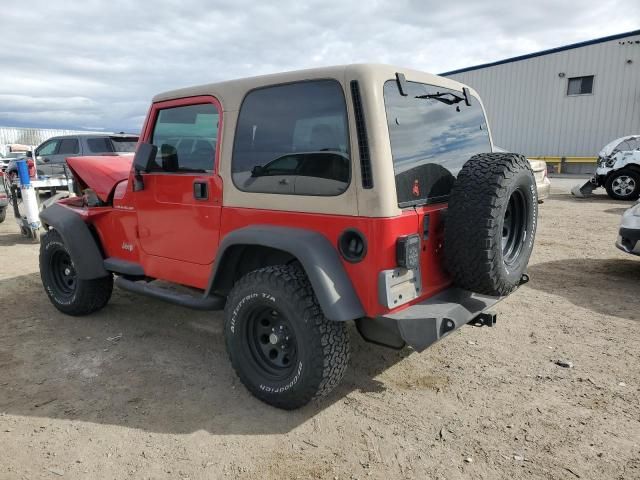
point(491, 223)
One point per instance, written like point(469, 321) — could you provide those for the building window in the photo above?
point(580, 85)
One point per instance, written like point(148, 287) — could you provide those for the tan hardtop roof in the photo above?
point(230, 93)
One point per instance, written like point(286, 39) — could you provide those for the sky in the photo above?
point(96, 64)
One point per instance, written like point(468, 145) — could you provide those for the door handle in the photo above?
point(284, 181)
point(46, 160)
point(200, 190)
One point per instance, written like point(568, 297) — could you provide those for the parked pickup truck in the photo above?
point(300, 202)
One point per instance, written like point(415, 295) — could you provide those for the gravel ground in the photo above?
point(143, 389)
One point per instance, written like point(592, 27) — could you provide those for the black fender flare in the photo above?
point(318, 257)
point(82, 246)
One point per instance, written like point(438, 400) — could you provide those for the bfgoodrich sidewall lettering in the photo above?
point(237, 331)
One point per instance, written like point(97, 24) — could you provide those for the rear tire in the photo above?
point(491, 223)
point(623, 185)
point(67, 292)
point(280, 344)
point(3, 214)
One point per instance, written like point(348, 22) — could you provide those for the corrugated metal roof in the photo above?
point(545, 52)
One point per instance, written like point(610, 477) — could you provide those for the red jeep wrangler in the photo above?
point(298, 202)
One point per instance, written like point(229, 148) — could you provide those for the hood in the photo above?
point(610, 147)
point(101, 173)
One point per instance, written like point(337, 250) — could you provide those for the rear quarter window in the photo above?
point(293, 139)
point(100, 145)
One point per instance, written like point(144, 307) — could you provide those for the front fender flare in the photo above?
point(318, 257)
point(83, 249)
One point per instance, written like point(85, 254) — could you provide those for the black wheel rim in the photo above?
point(514, 228)
point(271, 341)
point(63, 273)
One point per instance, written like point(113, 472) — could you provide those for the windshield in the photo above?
point(433, 132)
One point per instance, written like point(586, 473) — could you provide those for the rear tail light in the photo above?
point(408, 251)
point(32, 168)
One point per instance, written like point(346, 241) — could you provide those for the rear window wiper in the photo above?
point(453, 98)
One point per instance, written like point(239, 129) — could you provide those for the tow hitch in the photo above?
point(485, 319)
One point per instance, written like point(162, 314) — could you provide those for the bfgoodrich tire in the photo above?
point(491, 223)
point(280, 344)
point(67, 292)
point(623, 185)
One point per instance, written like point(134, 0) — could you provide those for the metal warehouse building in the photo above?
point(562, 104)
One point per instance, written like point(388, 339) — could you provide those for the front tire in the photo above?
point(280, 344)
point(66, 291)
point(623, 185)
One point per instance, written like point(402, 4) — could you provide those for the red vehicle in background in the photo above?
point(299, 202)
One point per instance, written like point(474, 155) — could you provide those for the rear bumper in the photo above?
point(424, 323)
point(544, 188)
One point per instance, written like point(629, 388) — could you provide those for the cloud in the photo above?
point(100, 63)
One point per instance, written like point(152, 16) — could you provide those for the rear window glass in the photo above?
point(293, 139)
point(433, 133)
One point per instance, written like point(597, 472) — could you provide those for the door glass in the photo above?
point(48, 148)
point(186, 138)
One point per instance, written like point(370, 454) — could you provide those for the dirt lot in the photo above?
point(144, 389)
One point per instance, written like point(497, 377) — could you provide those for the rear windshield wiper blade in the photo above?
point(443, 97)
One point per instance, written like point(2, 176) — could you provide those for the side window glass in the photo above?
point(186, 138)
point(293, 134)
point(69, 146)
point(48, 148)
point(100, 145)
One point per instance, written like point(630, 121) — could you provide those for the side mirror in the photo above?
point(143, 161)
point(28, 154)
point(145, 157)
point(257, 171)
